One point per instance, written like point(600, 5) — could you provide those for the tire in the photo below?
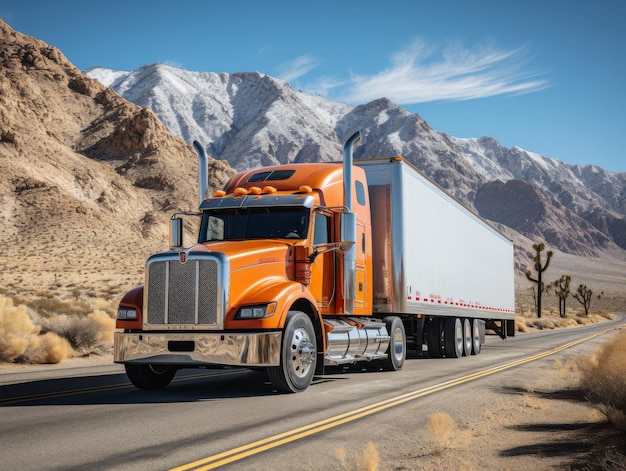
point(298, 356)
point(453, 337)
point(396, 352)
point(434, 338)
point(150, 376)
point(475, 337)
point(467, 337)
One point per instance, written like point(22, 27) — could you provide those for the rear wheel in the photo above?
point(467, 337)
point(298, 356)
point(475, 337)
point(453, 337)
point(150, 376)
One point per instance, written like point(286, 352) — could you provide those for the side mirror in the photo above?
point(176, 233)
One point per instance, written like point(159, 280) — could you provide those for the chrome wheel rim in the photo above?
point(398, 345)
point(301, 352)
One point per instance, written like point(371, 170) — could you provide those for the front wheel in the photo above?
point(150, 376)
point(298, 357)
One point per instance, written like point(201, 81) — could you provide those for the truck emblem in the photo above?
point(182, 257)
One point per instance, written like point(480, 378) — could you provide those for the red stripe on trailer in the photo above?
point(459, 304)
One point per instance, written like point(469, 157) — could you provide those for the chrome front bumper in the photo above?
point(198, 349)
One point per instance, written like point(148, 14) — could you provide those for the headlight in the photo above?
point(256, 312)
point(127, 314)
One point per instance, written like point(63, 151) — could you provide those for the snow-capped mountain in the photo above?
point(252, 120)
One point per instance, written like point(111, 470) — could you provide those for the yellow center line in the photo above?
point(244, 451)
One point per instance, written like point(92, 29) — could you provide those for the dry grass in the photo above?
point(604, 379)
point(82, 332)
point(49, 336)
point(368, 460)
point(20, 338)
point(528, 322)
point(563, 369)
point(533, 402)
point(47, 348)
point(445, 434)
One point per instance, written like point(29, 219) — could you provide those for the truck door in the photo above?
point(361, 278)
point(323, 270)
point(363, 275)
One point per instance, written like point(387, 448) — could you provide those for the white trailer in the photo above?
point(446, 271)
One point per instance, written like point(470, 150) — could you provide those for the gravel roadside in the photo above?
point(533, 417)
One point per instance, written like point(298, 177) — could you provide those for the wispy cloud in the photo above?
point(298, 67)
point(421, 73)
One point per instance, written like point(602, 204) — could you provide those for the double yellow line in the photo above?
point(239, 453)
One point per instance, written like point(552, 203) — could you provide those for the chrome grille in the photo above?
point(184, 295)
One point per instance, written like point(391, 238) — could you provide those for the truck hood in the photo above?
point(256, 266)
point(247, 253)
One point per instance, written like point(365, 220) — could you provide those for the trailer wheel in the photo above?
point(467, 337)
point(150, 376)
point(396, 353)
point(298, 356)
point(475, 337)
point(434, 338)
point(453, 337)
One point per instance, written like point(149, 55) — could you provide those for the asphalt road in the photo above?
point(77, 419)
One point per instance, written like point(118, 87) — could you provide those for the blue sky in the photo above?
point(547, 76)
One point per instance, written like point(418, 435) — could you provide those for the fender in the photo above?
point(133, 299)
point(284, 292)
point(287, 294)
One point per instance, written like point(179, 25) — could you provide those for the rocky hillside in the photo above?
point(88, 179)
point(252, 119)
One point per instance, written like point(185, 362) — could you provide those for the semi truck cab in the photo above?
point(280, 278)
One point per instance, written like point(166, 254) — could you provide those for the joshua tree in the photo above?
point(583, 296)
point(561, 289)
point(539, 268)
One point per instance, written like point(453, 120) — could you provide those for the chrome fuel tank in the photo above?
point(354, 339)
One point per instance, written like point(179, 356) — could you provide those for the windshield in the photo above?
point(255, 223)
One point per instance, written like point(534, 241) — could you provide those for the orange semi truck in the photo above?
point(302, 266)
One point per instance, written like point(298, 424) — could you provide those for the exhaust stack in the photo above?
point(348, 226)
point(203, 170)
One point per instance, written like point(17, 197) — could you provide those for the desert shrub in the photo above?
point(83, 333)
point(80, 332)
point(20, 340)
point(543, 324)
point(16, 330)
point(603, 379)
point(520, 324)
point(566, 322)
point(47, 348)
point(443, 430)
point(56, 305)
point(105, 323)
point(28, 337)
point(367, 461)
point(445, 434)
point(532, 401)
